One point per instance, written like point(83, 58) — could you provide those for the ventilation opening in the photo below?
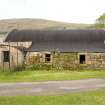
point(82, 59)
point(6, 56)
point(47, 57)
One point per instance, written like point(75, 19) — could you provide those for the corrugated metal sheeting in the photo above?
point(73, 40)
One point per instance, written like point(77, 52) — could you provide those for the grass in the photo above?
point(31, 76)
point(85, 98)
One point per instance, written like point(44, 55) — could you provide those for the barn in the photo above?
point(63, 49)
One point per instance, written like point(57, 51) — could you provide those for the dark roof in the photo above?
point(73, 40)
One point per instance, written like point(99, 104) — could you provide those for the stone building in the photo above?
point(64, 49)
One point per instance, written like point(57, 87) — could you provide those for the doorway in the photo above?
point(82, 59)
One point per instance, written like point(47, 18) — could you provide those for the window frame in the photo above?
point(47, 57)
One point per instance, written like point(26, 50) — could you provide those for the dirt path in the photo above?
point(50, 87)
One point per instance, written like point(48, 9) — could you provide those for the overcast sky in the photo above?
point(73, 11)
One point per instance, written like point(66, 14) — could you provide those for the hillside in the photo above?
point(9, 24)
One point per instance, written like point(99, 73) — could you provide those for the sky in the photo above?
point(72, 11)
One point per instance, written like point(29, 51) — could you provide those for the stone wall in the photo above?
point(65, 60)
point(95, 60)
point(72, 60)
point(68, 60)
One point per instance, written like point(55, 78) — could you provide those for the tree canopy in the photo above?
point(100, 22)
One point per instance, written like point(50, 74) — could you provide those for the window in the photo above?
point(47, 57)
point(6, 56)
point(82, 59)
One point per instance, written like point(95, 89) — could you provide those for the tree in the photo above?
point(100, 22)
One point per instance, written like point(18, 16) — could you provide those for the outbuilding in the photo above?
point(66, 49)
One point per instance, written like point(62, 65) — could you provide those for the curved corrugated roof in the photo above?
point(73, 40)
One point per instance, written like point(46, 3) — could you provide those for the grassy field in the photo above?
point(31, 76)
point(83, 98)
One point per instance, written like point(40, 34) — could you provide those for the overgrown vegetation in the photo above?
point(44, 75)
point(3, 33)
point(84, 98)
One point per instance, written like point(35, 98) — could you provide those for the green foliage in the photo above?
point(1, 33)
point(100, 22)
point(41, 67)
point(80, 98)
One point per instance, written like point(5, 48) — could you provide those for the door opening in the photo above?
point(82, 59)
